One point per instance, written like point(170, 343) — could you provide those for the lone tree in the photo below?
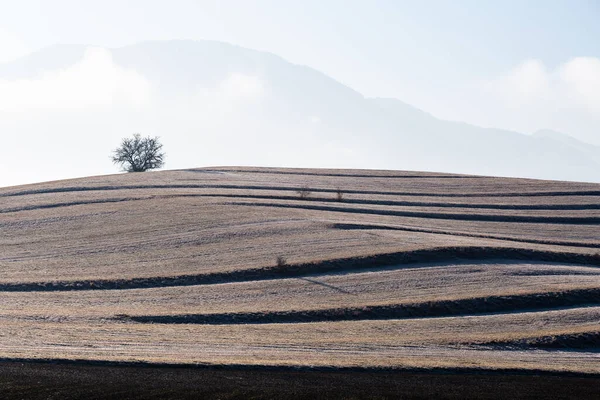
point(138, 154)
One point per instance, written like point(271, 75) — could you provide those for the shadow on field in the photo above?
point(434, 215)
point(443, 308)
point(67, 381)
point(352, 264)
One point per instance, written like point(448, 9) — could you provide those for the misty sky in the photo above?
point(519, 65)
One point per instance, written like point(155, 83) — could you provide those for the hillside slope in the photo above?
point(300, 267)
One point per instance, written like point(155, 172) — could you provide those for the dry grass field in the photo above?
point(303, 268)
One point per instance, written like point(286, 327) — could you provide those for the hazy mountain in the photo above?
point(590, 150)
point(466, 148)
point(218, 104)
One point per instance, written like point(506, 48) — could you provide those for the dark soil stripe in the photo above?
point(70, 204)
point(443, 308)
point(350, 226)
point(324, 200)
point(540, 207)
point(468, 372)
point(295, 188)
point(434, 215)
point(584, 340)
point(355, 264)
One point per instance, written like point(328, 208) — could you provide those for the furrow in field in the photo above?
point(350, 226)
point(423, 342)
point(400, 284)
point(373, 202)
point(70, 204)
point(374, 180)
point(587, 234)
point(433, 215)
point(444, 308)
point(354, 264)
point(68, 189)
point(579, 341)
point(312, 200)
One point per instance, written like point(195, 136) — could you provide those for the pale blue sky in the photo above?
point(351, 40)
point(428, 53)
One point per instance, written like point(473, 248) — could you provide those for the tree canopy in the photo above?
point(139, 154)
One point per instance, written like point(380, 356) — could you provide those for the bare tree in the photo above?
point(138, 154)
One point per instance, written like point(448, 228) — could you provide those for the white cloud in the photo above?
point(530, 79)
point(572, 85)
point(11, 47)
point(582, 77)
point(94, 82)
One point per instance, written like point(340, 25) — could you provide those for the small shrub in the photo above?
point(304, 192)
point(339, 195)
point(281, 261)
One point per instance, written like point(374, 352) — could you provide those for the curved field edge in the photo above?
point(370, 202)
point(543, 301)
point(573, 341)
point(294, 189)
point(300, 367)
point(362, 226)
point(433, 215)
point(442, 254)
point(338, 208)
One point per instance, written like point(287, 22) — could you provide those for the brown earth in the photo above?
point(74, 381)
point(377, 269)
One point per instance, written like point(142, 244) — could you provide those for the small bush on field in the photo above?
point(281, 261)
point(339, 195)
point(304, 192)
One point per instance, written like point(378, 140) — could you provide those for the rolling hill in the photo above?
point(371, 270)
